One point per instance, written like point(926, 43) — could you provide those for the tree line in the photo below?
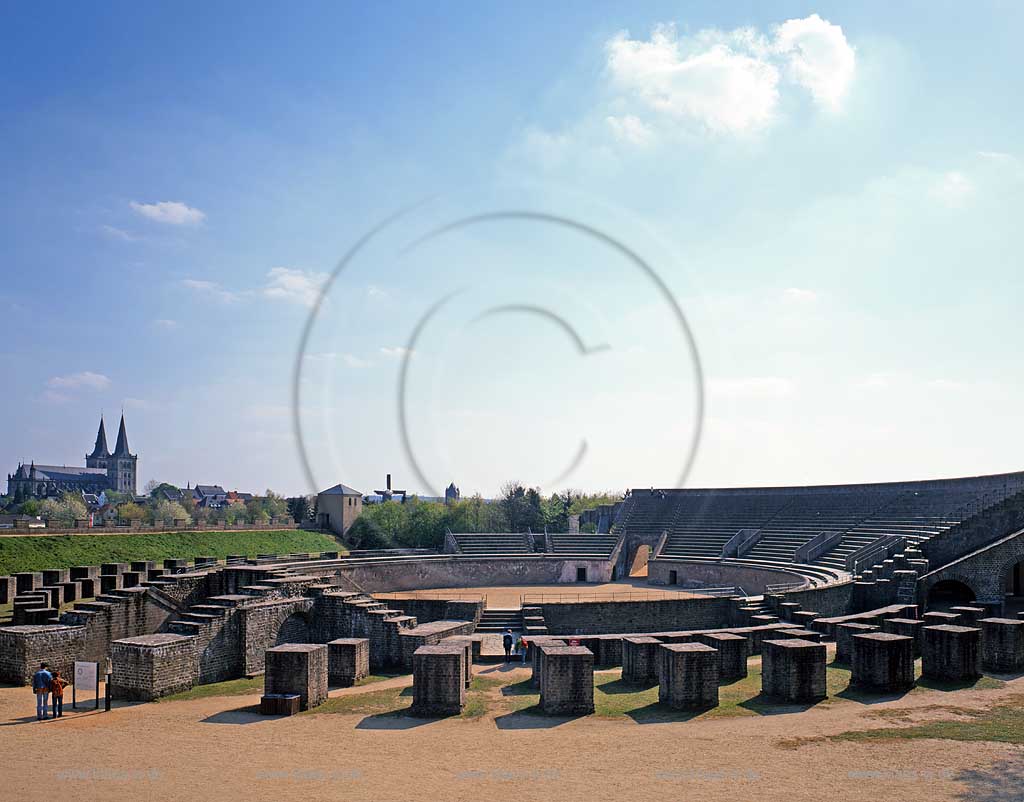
point(423, 524)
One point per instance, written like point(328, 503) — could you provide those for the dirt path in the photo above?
point(213, 749)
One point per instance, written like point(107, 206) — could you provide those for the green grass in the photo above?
point(1002, 723)
point(32, 553)
point(231, 687)
point(373, 703)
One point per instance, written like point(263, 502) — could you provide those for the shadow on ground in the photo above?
point(1000, 782)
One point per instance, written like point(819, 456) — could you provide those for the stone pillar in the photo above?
point(883, 662)
point(793, 670)
point(150, 666)
point(538, 657)
point(1002, 645)
point(844, 633)
point(938, 618)
point(640, 660)
point(688, 676)
point(55, 576)
point(438, 680)
point(951, 653)
point(805, 618)
point(297, 668)
point(908, 627)
point(467, 643)
point(969, 616)
point(786, 610)
point(732, 654)
point(802, 634)
point(348, 661)
point(567, 681)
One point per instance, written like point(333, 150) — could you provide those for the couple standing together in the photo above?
point(43, 684)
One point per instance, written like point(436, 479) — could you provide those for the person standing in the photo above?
point(506, 641)
point(525, 647)
point(41, 681)
point(57, 689)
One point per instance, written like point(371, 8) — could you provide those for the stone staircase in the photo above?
point(498, 620)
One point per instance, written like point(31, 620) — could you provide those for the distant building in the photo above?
point(451, 494)
point(337, 508)
point(103, 471)
point(211, 497)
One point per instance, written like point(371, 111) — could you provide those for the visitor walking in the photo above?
point(57, 687)
point(525, 647)
point(506, 641)
point(41, 681)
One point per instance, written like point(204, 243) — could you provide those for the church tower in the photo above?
point(122, 464)
point(100, 456)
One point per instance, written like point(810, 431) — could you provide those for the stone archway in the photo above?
point(294, 629)
point(948, 593)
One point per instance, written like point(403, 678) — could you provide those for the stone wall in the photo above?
point(829, 600)
point(23, 648)
point(426, 610)
point(752, 580)
point(606, 617)
point(151, 666)
point(261, 625)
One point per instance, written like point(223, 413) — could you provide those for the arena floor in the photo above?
point(217, 748)
point(510, 596)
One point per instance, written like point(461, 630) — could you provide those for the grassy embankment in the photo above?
point(63, 551)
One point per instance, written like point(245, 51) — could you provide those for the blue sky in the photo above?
point(830, 193)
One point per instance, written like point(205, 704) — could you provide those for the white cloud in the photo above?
point(818, 58)
point(294, 286)
point(725, 82)
point(113, 232)
point(797, 295)
point(396, 351)
point(712, 83)
point(85, 380)
point(630, 129)
point(211, 289)
point(165, 324)
point(173, 213)
point(376, 292)
point(752, 387)
point(953, 190)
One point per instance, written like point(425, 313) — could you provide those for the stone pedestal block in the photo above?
point(908, 627)
point(56, 576)
point(793, 670)
point(438, 680)
point(538, 657)
point(786, 610)
point(805, 618)
point(298, 668)
point(883, 662)
point(938, 618)
point(1002, 645)
point(150, 666)
point(803, 634)
point(348, 660)
point(109, 582)
point(844, 633)
point(951, 653)
point(110, 569)
point(567, 681)
point(732, 654)
point(688, 676)
point(969, 615)
point(469, 645)
point(640, 660)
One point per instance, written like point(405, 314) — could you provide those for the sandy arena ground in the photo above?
point(213, 749)
point(510, 596)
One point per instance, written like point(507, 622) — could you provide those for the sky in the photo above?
point(586, 246)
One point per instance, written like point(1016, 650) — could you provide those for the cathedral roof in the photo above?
point(100, 449)
point(121, 448)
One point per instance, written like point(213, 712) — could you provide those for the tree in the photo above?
point(130, 511)
point(63, 512)
point(169, 511)
point(150, 486)
point(521, 507)
point(365, 534)
point(299, 508)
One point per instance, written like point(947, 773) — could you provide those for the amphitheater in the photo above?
point(907, 592)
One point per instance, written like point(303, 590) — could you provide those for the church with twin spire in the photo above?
point(104, 470)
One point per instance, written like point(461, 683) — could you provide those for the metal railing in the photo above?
point(783, 587)
point(430, 594)
point(643, 595)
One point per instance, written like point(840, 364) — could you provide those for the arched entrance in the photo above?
point(294, 629)
point(949, 593)
point(1014, 590)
